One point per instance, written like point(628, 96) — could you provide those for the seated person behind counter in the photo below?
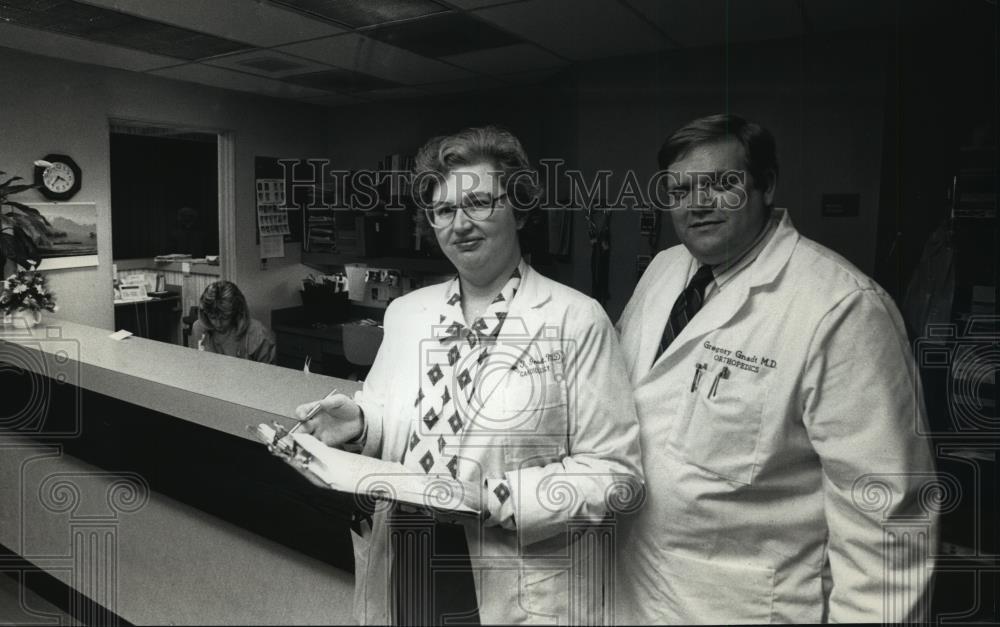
point(224, 326)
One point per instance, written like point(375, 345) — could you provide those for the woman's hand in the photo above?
point(334, 420)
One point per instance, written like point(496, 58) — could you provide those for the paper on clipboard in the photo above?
point(374, 478)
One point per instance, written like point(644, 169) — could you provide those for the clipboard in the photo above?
point(366, 477)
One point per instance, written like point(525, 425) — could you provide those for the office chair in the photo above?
point(361, 344)
point(189, 321)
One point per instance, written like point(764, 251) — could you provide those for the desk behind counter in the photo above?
point(128, 474)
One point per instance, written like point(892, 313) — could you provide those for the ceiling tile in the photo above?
point(268, 63)
point(361, 54)
point(578, 29)
point(470, 84)
point(226, 79)
point(833, 15)
point(516, 58)
point(533, 76)
point(396, 93)
point(476, 4)
point(334, 100)
point(443, 35)
point(259, 23)
point(338, 79)
point(99, 24)
point(79, 50)
point(358, 13)
point(694, 23)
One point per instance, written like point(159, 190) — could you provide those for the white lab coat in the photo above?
point(770, 500)
point(561, 426)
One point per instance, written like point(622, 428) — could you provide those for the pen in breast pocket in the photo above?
point(698, 370)
point(313, 411)
point(723, 374)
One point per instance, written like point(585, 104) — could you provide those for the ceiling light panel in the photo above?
point(360, 13)
point(267, 63)
point(340, 80)
point(693, 23)
point(579, 29)
point(69, 17)
point(444, 35)
point(250, 21)
point(80, 50)
point(225, 79)
point(361, 54)
point(516, 58)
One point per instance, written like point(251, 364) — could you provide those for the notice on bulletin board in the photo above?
point(272, 246)
point(281, 215)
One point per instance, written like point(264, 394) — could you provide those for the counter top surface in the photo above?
point(148, 300)
point(217, 391)
point(196, 267)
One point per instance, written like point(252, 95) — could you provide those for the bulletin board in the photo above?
point(286, 221)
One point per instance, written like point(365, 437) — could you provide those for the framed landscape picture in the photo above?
point(69, 240)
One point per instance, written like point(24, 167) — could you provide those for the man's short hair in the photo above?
point(758, 143)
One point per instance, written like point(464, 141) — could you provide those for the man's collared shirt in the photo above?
point(726, 271)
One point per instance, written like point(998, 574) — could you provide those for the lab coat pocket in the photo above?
point(528, 401)
point(698, 591)
point(722, 424)
point(534, 410)
point(545, 595)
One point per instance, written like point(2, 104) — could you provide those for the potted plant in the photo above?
point(22, 228)
point(24, 293)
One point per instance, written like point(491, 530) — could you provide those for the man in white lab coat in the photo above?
point(780, 413)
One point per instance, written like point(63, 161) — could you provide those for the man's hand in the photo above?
point(334, 420)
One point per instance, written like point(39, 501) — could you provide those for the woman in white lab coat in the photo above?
point(506, 384)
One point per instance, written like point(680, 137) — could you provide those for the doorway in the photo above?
point(171, 200)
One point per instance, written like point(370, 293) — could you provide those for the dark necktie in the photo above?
point(686, 306)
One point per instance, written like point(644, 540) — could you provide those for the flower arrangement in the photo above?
point(27, 290)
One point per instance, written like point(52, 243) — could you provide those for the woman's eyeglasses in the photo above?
point(478, 207)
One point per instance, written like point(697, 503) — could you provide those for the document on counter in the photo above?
point(366, 476)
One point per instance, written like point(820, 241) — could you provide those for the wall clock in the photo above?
point(61, 180)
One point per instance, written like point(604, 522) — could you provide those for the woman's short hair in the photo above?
point(224, 299)
point(758, 144)
point(485, 144)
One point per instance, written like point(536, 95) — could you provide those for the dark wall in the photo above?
point(151, 179)
point(823, 97)
point(942, 100)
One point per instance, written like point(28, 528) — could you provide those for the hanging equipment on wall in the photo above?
point(600, 253)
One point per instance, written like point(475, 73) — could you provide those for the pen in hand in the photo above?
point(313, 411)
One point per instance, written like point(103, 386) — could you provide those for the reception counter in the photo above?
point(128, 474)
